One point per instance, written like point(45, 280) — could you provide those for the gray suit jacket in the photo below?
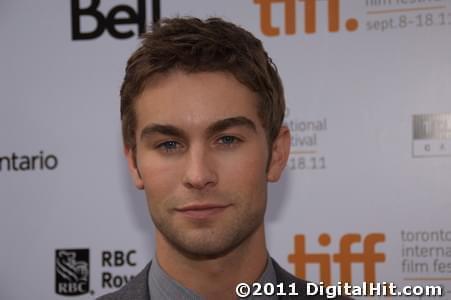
point(137, 288)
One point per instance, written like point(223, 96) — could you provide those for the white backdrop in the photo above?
point(358, 164)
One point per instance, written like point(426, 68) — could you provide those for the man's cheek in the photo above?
point(250, 170)
point(160, 175)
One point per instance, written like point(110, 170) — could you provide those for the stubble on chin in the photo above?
point(208, 239)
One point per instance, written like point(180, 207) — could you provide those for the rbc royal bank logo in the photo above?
point(71, 272)
point(345, 258)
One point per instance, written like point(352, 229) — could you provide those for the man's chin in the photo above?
point(201, 249)
point(208, 240)
point(204, 252)
point(204, 244)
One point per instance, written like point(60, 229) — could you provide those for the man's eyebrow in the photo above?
point(216, 127)
point(162, 129)
point(227, 123)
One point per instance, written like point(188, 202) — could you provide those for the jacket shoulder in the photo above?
point(135, 289)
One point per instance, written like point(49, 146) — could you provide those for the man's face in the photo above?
point(201, 158)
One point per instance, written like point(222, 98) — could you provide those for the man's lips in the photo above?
point(201, 211)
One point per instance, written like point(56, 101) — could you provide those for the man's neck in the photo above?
point(215, 278)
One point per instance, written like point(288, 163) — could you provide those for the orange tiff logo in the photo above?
point(345, 258)
point(310, 16)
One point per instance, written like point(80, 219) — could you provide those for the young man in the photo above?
point(202, 107)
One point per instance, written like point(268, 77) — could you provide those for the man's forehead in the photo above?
point(195, 98)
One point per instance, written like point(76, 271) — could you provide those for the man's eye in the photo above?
point(228, 140)
point(169, 146)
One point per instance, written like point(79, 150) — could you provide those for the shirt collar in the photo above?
point(162, 286)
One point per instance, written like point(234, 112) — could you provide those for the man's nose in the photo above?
point(200, 171)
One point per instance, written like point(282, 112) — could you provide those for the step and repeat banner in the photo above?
point(366, 195)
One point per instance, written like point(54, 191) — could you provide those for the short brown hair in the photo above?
point(194, 45)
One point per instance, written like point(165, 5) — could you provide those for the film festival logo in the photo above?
point(345, 258)
point(72, 272)
point(118, 21)
point(310, 17)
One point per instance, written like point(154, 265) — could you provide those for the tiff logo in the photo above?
point(310, 16)
point(345, 258)
point(113, 21)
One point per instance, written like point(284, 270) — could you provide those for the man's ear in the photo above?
point(133, 168)
point(280, 152)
